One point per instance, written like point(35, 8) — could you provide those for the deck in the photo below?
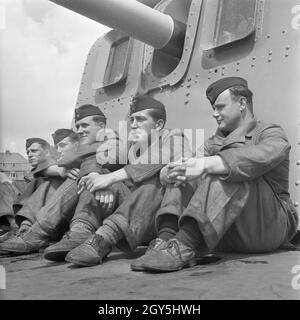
point(264, 276)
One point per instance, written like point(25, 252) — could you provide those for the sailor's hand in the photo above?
point(94, 181)
point(164, 176)
point(73, 173)
point(105, 198)
point(186, 169)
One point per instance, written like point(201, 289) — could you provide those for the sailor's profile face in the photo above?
point(87, 129)
point(227, 112)
point(65, 146)
point(36, 154)
point(141, 124)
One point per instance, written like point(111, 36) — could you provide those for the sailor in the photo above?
point(241, 201)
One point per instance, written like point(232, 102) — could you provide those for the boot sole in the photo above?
point(56, 256)
point(188, 264)
point(23, 251)
point(5, 236)
point(137, 268)
point(20, 251)
point(81, 263)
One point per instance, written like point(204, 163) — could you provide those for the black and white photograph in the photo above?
point(149, 152)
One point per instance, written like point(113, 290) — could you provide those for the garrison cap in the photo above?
point(87, 110)
point(31, 141)
point(216, 88)
point(141, 103)
point(61, 134)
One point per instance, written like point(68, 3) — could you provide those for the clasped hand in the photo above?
point(183, 170)
point(98, 184)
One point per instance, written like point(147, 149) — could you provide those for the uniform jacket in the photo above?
point(38, 179)
point(256, 149)
point(104, 153)
point(170, 145)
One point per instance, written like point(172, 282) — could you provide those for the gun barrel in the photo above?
point(133, 18)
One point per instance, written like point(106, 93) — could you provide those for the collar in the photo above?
point(240, 134)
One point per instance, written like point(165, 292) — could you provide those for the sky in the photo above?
point(43, 49)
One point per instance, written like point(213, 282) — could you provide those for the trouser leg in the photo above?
point(242, 217)
point(7, 195)
point(174, 201)
point(37, 200)
point(135, 217)
point(263, 225)
point(59, 210)
point(214, 206)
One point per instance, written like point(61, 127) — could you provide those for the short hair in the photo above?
point(158, 114)
point(99, 119)
point(61, 134)
point(43, 143)
point(240, 91)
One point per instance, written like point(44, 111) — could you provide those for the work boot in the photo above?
point(71, 240)
point(15, 231)
point(154, 246)
point(5, 232)
point(173, 257)
point(25, 243)
point(91, 252)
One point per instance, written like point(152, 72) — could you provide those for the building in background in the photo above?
point(14, 165)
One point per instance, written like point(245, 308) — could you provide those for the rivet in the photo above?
point(254, 58)
point(296, 204)
point(186, 102)
point(286, 55)
point(238, 63)
point(297, 183)
point(288, 48)
point(270, 53)
point(283, 31)
point(189, 79)
point(188, 86)
point(252, 65)
point(268, 36)
point(237, 69)
point(298, 163)
point(187, 94)
point(269, 60)
point(196, 81)
point(209, 78)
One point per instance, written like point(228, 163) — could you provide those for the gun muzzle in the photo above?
point(135, 19)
